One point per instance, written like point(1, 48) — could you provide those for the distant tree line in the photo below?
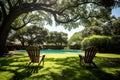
point(39, 36)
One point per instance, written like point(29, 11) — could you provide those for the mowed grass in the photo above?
point(60, 67)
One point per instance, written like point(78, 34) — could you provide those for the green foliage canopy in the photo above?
point(73, 12)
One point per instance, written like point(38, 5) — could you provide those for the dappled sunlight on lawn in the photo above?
point(58, 67)
point(109, 55)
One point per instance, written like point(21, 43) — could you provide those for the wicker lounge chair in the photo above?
point(89, 55)
point(34, 54)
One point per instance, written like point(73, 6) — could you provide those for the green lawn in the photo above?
point(60, 67)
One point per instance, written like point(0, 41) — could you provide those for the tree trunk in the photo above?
point(3, 37)
point(4, 32)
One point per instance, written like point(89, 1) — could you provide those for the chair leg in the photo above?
point(41, 59)
point(83, 63)
point(81, 60)
point(94, 64)
point(39, 63)
point(43, 56)
point(43, 63)
point(29, 63)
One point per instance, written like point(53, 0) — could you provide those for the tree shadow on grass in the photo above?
point(69, 69)
point(17, 66)
point(107, 62)
point(102, 75)
point(76, 72)
point(27, 72)
point(117, 60)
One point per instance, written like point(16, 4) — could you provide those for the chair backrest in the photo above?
point(90, 54)
point(34, 53)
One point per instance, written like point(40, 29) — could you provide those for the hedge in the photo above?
point(104, 43)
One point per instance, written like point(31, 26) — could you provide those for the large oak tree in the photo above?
point(70, 12)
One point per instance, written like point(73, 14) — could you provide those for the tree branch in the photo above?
point(25, 23)
point(74, 19)
point(18, 27)
point(0, 16)
point(34, 1)
point(18, 2)
point(76, 4)
point(3, 9)
point(9, 3)
point(57, 20)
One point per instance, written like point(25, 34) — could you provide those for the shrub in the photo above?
point(102, 42)
point(115, 44)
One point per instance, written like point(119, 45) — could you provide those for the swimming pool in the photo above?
point(51, 51)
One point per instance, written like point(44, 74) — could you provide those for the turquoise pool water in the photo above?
point(58, 51)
